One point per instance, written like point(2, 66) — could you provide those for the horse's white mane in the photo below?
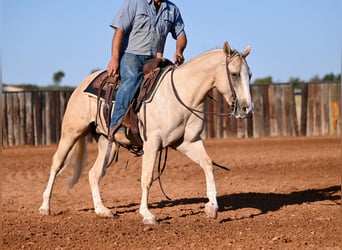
point(213, 50)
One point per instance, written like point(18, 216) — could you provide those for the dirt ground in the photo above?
point(281, 193)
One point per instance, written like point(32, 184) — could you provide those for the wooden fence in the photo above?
point(280, 110)
point(34, 118)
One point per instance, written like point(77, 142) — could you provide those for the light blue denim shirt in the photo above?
point(145, 31)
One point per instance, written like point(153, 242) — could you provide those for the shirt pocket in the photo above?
point(142, 21)
point(166, 24)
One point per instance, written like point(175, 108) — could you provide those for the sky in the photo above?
point(289, 38)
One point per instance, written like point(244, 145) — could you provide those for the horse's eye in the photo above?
point(235, 76)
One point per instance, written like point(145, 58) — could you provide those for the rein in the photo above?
point(233, 108)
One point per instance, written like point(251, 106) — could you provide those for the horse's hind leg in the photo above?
point(196, 152)
point(97, 172)
point(58, 161)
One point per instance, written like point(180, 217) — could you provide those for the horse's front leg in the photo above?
point(196, 152)
point(148, 161)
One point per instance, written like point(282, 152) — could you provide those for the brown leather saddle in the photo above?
point(106, 87)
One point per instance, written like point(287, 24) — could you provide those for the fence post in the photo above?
point(304, 109)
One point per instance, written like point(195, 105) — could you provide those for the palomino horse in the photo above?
point(172, 118)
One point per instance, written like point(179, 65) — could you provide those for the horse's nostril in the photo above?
point(245, 110)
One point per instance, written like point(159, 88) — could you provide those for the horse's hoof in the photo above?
point(104, 212)
point(44, 211)
point(150, 221)
point(211, 211)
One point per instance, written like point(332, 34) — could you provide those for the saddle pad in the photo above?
point(91, 91)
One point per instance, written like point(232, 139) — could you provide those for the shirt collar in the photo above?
point(150, 2)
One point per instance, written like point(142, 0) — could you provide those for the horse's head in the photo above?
point(235, 80)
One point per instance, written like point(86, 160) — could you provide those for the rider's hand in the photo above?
point(113, 67)
point(178, 58)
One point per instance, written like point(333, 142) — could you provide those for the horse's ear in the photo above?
point(226, 49)
point(246, 51)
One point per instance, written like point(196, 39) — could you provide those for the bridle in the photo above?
point(234, 99)
point(232, 108)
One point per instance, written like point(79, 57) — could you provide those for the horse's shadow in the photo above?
point(264, 202)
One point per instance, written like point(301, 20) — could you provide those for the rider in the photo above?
point(141, 28)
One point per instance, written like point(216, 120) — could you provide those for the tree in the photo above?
point(331, 77)
point(296, 81)
point(265, 80)
point(57, 77)
point(315, 78)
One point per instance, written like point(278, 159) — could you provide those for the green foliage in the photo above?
point(265, 80)
point(57, 77)
point(331, 77)
point(315, 78)
point(296, 81)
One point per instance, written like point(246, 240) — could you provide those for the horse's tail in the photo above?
point(77, 157)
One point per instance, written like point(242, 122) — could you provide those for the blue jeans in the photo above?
point(131, 76)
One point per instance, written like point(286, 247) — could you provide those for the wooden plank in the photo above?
point(294, 116)
point(39, 111)
point(317, 110)
point(310, 111)
point(290, 122)
point(334, 108)
point(258, 112)
point(265, 106)
point(210, 129)
point(16, 119)
point(250, 126)
point(230, 126)
point(279, 109)
point(47, 118)
point(62, 105)
point(287, 111)
point(272, 111)
point(10, 121)
point(304, 109)
point(339, 109)
point(241, 128)
point(325, 109)
point(4, 119)
point(54, 114)
point(22, 113)
point(29, 127)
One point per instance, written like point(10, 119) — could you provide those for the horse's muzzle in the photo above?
point(244, 111)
